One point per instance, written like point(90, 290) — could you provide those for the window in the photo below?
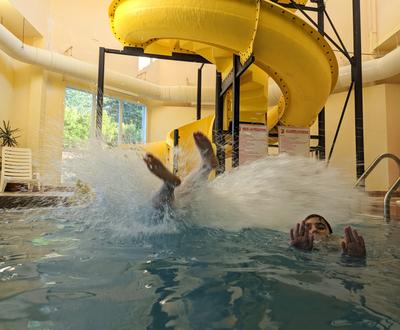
point(110, 123)
point(144, 62)
point(122, 121)
point(77, 114)
point(134, 119)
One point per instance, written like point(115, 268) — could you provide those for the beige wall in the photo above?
point(29, 98)
point(388, 19)
point(393, 126)
point(76, 28)
point(380, 19)
point(52, 130)
point(84, 26)
point(6, 87)
point(178, 73)
point(35, 106)
point(381, 133)
point(37, 15)
point(340, 11)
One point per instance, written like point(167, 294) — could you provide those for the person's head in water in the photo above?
point(318, 226)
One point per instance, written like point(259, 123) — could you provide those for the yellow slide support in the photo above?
point(285, 47)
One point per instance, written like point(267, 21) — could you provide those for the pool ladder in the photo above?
point(393, 188)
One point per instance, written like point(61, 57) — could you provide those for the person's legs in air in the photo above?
point(208, 160)
point(165, 196)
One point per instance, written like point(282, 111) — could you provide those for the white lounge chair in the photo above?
point(16, 167)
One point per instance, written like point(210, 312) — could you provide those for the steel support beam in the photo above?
point(136, 51)
point(321, 115)
point(340, 121)
point(228, 81)
point(199, 83)
point(296, 6)
point(131, 51)
point(356, 70)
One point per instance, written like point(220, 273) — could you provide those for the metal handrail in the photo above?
point(393, 188)
point(386, 200)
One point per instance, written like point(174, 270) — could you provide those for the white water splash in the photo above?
point(275, 193)
point(123, 189)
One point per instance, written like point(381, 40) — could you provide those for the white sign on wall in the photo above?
point(294, 141)
point(253, 141)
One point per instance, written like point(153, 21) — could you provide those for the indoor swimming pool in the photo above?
point(221, 261)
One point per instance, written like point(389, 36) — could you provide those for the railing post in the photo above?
point(236, 112)
point(386, 201)
point(219, 124)
point(100, 91)
point(395, 186)
point(175, 159)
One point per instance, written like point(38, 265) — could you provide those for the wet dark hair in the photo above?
point(320, 217)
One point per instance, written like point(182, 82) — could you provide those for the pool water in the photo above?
point(64, 277)
point(220, 260)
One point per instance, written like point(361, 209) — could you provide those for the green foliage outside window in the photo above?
point(132, 122)
point(110, 120)
point(77, 119)
point(76, 127)
point(78, 107)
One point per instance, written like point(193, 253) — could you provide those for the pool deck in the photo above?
point(11, 200)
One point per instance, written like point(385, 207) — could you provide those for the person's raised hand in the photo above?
point(353, 244)
point(301, 238)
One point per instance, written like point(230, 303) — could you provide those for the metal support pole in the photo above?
point(340, 121)
point(199, 80)
point(175, 159)
point(356, 69)
point(236, 111)
point(321, 115)
point(100, 91)
point(219, 124)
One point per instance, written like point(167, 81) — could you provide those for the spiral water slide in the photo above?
point(285, 48)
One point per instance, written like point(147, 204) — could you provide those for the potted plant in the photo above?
point(8, 139)
point(7, 135)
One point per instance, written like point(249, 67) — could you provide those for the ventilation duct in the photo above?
point(66, 65)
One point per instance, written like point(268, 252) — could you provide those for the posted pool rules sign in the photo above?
point(294, 141)
point(253, 142)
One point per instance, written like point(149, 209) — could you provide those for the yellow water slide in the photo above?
point(285, 47)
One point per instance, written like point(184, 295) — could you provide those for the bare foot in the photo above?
point(158, 169)
point(205, 149)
